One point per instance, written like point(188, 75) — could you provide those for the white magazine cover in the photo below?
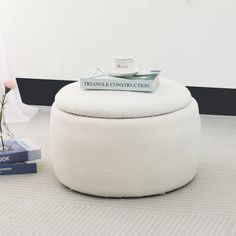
point(143, 81)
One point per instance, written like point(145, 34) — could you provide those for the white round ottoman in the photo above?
point(125, 144)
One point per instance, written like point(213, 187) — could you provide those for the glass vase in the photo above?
point(6, 136)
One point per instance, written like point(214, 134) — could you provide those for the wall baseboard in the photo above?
point(214, 101)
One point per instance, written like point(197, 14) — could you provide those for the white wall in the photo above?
point(192, 41)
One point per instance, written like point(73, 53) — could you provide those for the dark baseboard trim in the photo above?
point(40, 91)
point(214, 101)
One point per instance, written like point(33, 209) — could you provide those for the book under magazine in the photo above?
point(18, 168)
point(143, 81)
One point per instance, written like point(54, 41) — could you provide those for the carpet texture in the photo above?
point(37, 204)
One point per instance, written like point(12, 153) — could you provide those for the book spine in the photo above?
point(18, 168)
point(117, 84)
point(20, 151)
point(13, 157)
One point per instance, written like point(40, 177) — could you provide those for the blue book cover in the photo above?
point(18, 168)
point(19, 151)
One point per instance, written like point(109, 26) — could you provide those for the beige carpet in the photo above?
point(37, 204)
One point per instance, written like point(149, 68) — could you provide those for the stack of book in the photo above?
point(143, 81)
point(19, 158)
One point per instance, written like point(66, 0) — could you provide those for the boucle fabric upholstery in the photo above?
point(168, 97)
point(101, 152)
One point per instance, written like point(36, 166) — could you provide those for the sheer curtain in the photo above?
point(15, 110)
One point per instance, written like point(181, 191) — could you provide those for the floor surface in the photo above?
point(37, 204)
